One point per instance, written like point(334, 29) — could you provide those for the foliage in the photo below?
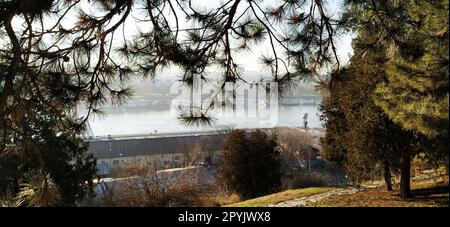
point(51, 67)
point(359, 136)
point(395, 89)
point(90, 59)
point(38, 191)
point(305, 180)
point(48, 70)
point(39, 144)
point(416, 91)
point(250, 164)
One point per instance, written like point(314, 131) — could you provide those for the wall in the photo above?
point(157, 160)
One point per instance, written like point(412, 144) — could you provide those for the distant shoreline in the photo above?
point(197, 133)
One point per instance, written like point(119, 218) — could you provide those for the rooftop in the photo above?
point(115, 148)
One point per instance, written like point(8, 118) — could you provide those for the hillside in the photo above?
point(429, 190)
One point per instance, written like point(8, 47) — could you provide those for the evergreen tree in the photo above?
point(42, 144)
point(251, 164)
point(359, 135)
point(414, 94)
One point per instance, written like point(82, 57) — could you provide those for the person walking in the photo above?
point(305, 120)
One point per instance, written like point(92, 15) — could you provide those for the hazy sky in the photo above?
point(249, 61)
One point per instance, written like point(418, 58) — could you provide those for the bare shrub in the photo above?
point(292, 142)
point(150, 189)
point(195, 155)
point(132, 170)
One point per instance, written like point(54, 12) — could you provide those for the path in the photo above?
point(303, 201)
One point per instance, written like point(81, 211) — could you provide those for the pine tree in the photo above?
point(251, 164)
point(359, 135)
point(414, 94)
point(41, 143)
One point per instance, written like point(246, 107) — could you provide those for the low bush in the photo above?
point(304, 180)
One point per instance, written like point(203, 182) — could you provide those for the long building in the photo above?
point(163, 152)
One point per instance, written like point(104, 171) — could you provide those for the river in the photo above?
point(138, 120)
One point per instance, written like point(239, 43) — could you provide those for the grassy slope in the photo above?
point(279, 197)
point(428, 193)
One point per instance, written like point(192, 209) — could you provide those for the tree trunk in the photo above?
point(387, 175)
point(405, 174)
point(446, 166)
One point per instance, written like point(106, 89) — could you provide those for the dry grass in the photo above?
point(220, 200)
point(428, 193)
point(279, 197)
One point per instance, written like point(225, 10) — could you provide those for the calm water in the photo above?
point(150, 120)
